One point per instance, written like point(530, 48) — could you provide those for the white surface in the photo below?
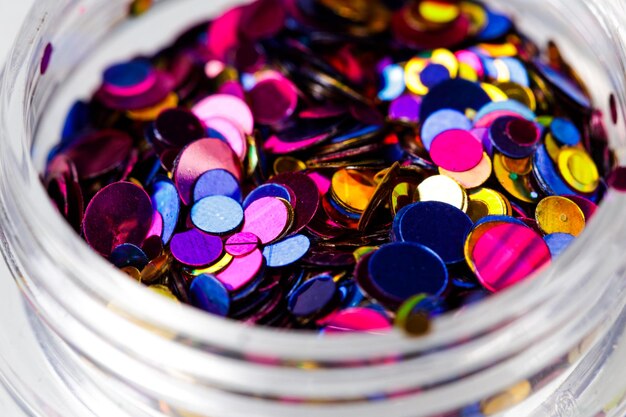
point(12, 14)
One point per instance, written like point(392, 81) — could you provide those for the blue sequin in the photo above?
point(439, 226)
point(286, 251)
point(165, 200)
point(208, 294)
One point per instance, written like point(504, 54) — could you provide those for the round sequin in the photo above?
point(485, 202)
point(508, 253)
point(456, 151)
point(353, 188)
point(241, 244)
point(421, 223)
point(565, 132)
point(307, 197)
point(195, 248)
point(217, 182)
point(444, 189)
point(455, 94)
point(230, 132)
point(558, 242)
point(128, 254)
point(578, 170)
point(228, 107)
point(441, 121)
point(401, 270)
point(273, 100)
point(165, 200)
point(513, 136)
point(99, 153)
point(119, 213)
point(405, 108)
point(267, 218)
point(559, 215)
point(217, 214)
point(199, 157)
point(357, 319)
point(270, 190)
point(414, 315)
point(208, 294)
point(178, 127)
point(473, 178)
point(241, 271)
point(312, 297)
point(287, 251)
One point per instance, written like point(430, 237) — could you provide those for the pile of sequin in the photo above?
point(334, 165)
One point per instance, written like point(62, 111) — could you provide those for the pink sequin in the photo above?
point(156, 229)
point(199, 157)
point(241, 271)
point(456, 150)
point(507, 254)
point(241, 244)
point(232, 133)
point(227, 106)
point(357, 319)
point(267, 218)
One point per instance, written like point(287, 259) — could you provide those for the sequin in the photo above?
point(558, 242)
point(267, 218)
point(46, 58)
point(439, 226)
point(357, 319)
point(128, 254)
point(393, 77)
point(312, 297)
point(455, 94)
point(508, 253)
point(565, 132)
point(415, 314)
point(456, 151)
point(195, 248)
point(307, 197)
point(559, 215)
point(228, 107)
point(99, 153)
point(241, 244)
point(353, 188)
point(440, 122)
point(217, 182)
point(165, 201)
point(270, 190)
point(217, 214)
point(119, 213)
point(199, 157)
point(405, 108)
point(444, 189)
point(273, 100)
point(390, 266)
point(487, 202)
point(208, 294)
point(178, 127)
point(578, 170)
point(287, 251)
point(474, 177)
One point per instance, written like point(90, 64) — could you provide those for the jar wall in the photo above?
point(114, 358)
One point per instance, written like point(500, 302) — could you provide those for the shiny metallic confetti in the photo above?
point(337, 166)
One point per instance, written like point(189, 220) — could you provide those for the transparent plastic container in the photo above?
point(105, 347)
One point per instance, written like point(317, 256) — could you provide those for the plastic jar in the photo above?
point(108, 348)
